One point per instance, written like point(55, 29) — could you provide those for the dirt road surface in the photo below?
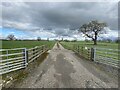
point(63, 69)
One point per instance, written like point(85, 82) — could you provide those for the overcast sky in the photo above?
point(56, 19)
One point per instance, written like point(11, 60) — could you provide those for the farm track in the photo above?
point(63, 69)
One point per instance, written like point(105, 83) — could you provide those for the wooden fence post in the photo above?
point(82, 50)
point(33, 52)
point(88, 53)
point(73, 47)
point(78, 49)
point(42, 48)
point(93, 51)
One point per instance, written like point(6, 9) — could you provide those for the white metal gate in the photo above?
point(12, 59)
point(107, 56)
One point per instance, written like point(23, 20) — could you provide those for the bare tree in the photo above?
point(38, 38)
point(117, 40)
point(47, 39)
point(11, 37)
point(93, 29)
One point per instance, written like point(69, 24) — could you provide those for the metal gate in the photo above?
point(107, 56)
point(12, 59)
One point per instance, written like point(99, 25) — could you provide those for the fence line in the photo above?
point(36, 52)
point(99, 55)
point(18, 58)
point(82, 51)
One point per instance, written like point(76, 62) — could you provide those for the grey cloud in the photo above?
point(54, 17)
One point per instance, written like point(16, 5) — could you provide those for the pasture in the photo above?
point(90, 44)
point(15, 62)
point(17, 54)
point(106, 53)
point(25, 44)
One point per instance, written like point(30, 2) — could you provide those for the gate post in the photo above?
point(25, 55)
point(82, 50)
point(42, 48)
point(73, 47)
point(78, 49)
point(33, 52)
point(89, 53)
point(93, 52)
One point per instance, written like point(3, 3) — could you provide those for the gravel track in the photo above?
point(63, 69)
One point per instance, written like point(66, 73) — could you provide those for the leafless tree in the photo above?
point(47, 39)
point(11, 37)
point(38, 38)
point(93, 29)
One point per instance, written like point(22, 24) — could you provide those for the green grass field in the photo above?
point(103, 49)
point(25, 44)
point(90, 44)
point(20, 44)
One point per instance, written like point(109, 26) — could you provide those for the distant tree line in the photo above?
point(12, 37)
